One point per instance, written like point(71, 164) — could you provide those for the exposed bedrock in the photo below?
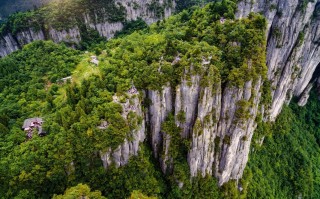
point(293, 46)
point(218, 121)
point(134, 9)
point(130, 146)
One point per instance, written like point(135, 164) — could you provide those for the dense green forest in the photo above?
point(66, 164)
point(31, 86)
point(287, 165)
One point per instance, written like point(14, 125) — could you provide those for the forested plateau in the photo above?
point(196, 105)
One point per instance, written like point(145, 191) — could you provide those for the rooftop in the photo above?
point(29, 122)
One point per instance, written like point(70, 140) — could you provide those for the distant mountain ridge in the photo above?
point(72, 21)
point(8, 7)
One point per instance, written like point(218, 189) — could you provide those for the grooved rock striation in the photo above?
point(120, 156)
point(134, 9)
point(293, 46)
point(219, 123)
point(218, 118)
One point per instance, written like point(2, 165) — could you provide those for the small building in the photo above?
point(65, 80)
point(31, 124)
point(222, 20)
point(94, 60)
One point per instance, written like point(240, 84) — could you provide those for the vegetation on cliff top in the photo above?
point(286, 166)
point(68, 155)
point(64, 14)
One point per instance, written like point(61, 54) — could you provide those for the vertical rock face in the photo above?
point(305, 95)
point(145, 9)
point(8, 44)
point(202, 152)
point(107, 29)
point(293, 45)
point(149, 10)
point(187, 96)
point(218, 121)
point(130, 147)
point(71, 35)
point(235, 129)
point(28, 36)
point(161, 106)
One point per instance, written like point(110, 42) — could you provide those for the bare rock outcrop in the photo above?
point(130, 146)
point(135, 9)
point(219, 121)
point(293, 45)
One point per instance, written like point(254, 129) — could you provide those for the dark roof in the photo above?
point(41, 132)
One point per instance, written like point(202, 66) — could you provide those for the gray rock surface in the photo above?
point(219, 136)
point(8, 45)
point(130, 146)
point(161, 106)
point(305, 95)
point(71, 35)
point(293, 46)
point(236, 133)
point(219, 139)
point(187, 95)
point(134, 9)
point(201, 154)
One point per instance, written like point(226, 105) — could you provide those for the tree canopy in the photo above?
point(32, 85)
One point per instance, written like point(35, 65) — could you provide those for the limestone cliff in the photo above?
point(217, 119)
point(131, 112)
point(293, 45)
point(293, 58)
point(219, 134)
point(149, 10)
